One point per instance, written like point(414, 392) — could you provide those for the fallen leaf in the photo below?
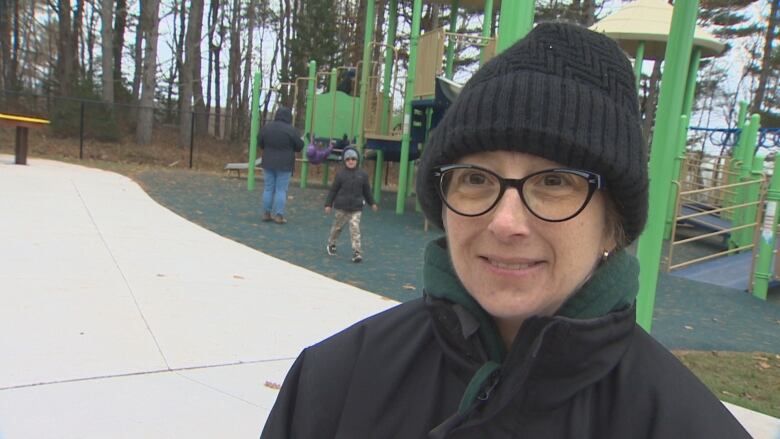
point(237, 276)
point(409, 287)
point(272, 385)
point(725, 392)
point(760, 357)
point(688, 327)
point(764, 365)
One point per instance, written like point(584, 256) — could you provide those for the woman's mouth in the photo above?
point(510, 265)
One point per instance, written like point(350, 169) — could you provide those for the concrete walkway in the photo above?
point(121, 319)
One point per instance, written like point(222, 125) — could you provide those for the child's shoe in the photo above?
point(356, 257)
point(267, 217)
point(331, 249)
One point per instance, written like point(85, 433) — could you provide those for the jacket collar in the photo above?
point(551, 357)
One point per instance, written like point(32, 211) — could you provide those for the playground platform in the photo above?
point(124, 319)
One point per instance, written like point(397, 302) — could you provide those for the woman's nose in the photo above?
point(509, 217)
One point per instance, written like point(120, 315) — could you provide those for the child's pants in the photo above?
point(342, 217)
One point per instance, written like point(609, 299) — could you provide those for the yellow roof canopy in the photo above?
point(650, 21)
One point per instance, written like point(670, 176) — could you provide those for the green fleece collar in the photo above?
point(613, 286)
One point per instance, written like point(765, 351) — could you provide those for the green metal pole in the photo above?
point(403, 165)
point(638, 60)
point(753, 194)
point(365, 70)
point(332, 87)
point(741, 120)
point(378, 168)
point(253, 130)
point(736, 153)
point(687, 106)
point(767, 243)
point(678, 53)
point(678, 160)
point(454, 10)
point(515, 21)
point(309, 126)
point(743, 237)
point(387, 79)
point(487, 23)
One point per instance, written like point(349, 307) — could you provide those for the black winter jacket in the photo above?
point(349, 189)
point(279, 141)
point(402, 374)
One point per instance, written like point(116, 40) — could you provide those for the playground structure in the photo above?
point(369, 118)
point(728, 197)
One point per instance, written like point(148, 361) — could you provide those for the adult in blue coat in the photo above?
point(526, 329)
point(279, 141)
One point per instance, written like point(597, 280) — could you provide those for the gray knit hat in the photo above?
point(349, 153)
point(563, 93)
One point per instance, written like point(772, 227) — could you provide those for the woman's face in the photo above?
point(515, 264)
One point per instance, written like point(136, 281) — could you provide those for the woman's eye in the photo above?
point(475, 178)
point(553, 180)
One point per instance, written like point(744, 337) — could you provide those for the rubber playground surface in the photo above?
point(688, 314)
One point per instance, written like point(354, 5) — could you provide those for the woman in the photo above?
point(537, 174)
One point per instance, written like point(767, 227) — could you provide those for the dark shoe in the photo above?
point(331, 249)
point(267, 217)
point(278, 219)
point(356, 258)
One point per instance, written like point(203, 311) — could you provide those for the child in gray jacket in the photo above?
point(348, 193)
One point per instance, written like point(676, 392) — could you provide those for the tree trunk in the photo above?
point(188, 73)
point(651, 101)
point(138, 55)
point(245, 97)
point(218, 121)
point(766, 59)
point(212, 20)
point(6, 75)
point(149, 23)
point(234, 71)
point(201, 114)
point(88, 45)
point(66, 51)
point(184, 55)
point(107, 40)
point(120, 22)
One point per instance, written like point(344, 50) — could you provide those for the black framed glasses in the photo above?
point(553, 195)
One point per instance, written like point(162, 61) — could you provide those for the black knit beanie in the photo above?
point(563, 93)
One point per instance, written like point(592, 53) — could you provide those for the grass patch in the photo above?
point(747, 379)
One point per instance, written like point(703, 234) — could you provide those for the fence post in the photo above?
point(192, 135)
point(81, 131)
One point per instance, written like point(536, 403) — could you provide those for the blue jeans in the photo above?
point(275, 190)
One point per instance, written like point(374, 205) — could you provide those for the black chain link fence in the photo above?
point(91, 129)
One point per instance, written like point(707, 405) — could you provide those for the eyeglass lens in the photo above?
point(550, 195)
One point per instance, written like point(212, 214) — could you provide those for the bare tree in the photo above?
point(201, 115)
point(67, 44)
point(234, 70)
point(149, 27)
point(191, 52)
point(245, 98)
point(107, 41)
point(138, 55)
point(766, 59)
point(7, 72)
point(120, 21)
